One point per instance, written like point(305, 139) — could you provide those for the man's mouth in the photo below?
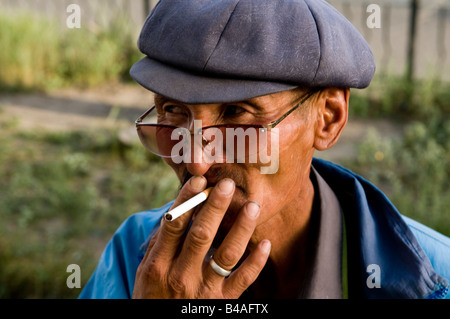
point(215, 174)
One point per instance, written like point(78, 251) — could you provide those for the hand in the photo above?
point(174, 265)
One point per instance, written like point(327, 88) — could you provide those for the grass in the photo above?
point(38, 54)
point(63, 195)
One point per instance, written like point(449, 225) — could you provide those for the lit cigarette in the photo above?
point(187, 205)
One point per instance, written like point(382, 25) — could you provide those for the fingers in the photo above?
point(174, 262)
point(235, 243)
point(248, 271)
point(171, 233)
point(204, 228)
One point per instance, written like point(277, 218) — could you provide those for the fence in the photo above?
point(413, 36)
point(398, 48)
point(97, 12)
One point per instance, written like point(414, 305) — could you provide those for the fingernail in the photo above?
point(252, 209)
point(198, 182)
point(226, 186)
point(266, 246)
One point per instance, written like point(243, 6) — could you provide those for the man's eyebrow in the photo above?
point(160, 99)
point(253, 104)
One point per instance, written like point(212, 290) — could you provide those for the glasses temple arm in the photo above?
point(143, 116)
point(304, 99)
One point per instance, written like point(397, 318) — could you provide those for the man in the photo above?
point(307, 228)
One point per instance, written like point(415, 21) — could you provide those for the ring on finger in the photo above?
point(219, 270)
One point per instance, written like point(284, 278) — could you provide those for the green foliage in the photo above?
point(396, 97)
point(38, 54)
point(413, 171)
point(63, 196)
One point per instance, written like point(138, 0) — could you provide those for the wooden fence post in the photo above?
point(414, 6)
point(146, 8)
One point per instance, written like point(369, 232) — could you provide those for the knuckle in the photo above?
point(151, 269)
point(153, 240)
point(173, 229)
point(245, 279)
point(217, 206)
point(246, 228)
point(228, 257)
point(199, 236)
point(177, 284)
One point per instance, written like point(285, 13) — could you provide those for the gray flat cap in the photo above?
point(212, 51)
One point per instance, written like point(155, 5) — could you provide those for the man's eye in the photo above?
point(173, 115)
point(173, 109)
point(233, 110)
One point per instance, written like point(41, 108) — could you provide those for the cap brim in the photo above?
point(194, 88)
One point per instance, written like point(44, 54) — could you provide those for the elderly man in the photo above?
point(245, 92)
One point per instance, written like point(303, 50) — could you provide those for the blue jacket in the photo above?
point(414, 260)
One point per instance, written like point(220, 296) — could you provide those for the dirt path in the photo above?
point(75, 109)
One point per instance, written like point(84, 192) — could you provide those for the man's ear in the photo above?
point(331, 117)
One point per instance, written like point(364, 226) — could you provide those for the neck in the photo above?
point(284, 271)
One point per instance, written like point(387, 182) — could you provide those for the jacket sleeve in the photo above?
point(116, 270)
point(435, 245)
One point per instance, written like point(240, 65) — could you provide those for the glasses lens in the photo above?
point(160, 139)
point(223, 143)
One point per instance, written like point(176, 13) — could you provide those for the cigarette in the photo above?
point(187, 205)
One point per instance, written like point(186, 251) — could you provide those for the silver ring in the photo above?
point(219, 270)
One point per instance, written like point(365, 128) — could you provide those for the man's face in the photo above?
point(273, 192)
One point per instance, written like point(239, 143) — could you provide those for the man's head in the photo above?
point(203, 51)
point(314, 125)
point(249, 62)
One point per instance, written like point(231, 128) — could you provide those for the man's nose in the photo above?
point(201, 159)
point(198, 169)
point(199, 163)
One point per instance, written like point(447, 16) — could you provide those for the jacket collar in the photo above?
point(323, 278)
point(377, 235)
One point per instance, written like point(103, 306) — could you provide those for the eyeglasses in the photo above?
point(224, 142)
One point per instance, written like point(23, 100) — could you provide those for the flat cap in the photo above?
point(213, 51)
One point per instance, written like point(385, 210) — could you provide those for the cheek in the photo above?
point(296, 144)
point(295, 154)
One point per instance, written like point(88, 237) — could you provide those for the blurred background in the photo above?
point(72, 168)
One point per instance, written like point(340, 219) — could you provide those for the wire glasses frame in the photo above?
point(150, 133)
